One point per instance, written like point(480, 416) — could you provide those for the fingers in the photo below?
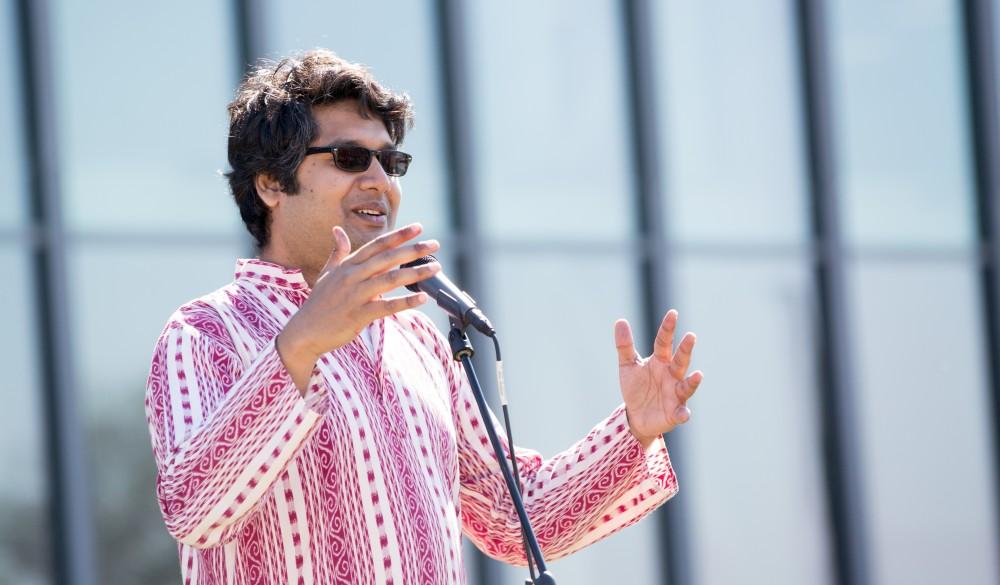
point(398, 277)
point(393, 257)
point(341, 247)
point(679, 365)
point(682, 414)
point(663, 345)
point(687, 388)
point(380, 307)
point(625, 344)
point(385, 242)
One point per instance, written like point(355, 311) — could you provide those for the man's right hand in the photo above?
point(347, 296)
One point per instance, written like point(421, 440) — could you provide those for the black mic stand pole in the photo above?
point(462, 351)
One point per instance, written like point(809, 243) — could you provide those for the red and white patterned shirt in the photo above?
point(373, 476)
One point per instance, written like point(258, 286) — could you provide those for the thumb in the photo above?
point(624, 343)
point(341, 247)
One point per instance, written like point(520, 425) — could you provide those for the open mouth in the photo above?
point(371, 213)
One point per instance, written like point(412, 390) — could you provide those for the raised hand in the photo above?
point(656, 389)
point(347, 296)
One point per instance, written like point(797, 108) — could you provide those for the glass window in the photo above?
point(730, 121)
point(12, 161)
point(118, 328)
point(25, 547)
point(923, 415)
point(902, 144)
point(549, 109)
point(752, 456)
point(114, 331)
point(141, 92)
point(141, 97)
point(561, 372)
point(403, 56)
point(24, 531)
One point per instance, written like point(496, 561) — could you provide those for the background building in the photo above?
point(813, 184)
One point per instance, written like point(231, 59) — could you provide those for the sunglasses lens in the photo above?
point(395, 162)
point(353, 159)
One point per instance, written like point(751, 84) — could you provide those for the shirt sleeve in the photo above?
point(222, 431)
point(603, 483)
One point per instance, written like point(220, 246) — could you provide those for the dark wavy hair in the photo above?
point(271, 122)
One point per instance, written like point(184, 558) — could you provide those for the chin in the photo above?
point(362, 237)
point(358, 240)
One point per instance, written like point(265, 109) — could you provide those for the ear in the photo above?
point(269, 189)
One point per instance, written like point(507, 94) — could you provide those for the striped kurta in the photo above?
point(374, 474)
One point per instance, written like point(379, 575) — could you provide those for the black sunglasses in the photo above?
point(357, 159)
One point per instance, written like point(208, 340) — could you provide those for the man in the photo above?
point(307, 429)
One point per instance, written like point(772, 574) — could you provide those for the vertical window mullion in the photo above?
point(843, 485)
point(980, 36)
point(249, 34)
point(462, 195)
point(675, 565)
point(72, 529)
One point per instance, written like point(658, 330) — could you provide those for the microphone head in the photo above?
point(418, 262)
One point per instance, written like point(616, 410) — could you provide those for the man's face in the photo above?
point(364, 204)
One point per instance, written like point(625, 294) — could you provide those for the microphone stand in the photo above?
point(462, 351)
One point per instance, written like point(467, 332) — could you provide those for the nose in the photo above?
point(375, 177)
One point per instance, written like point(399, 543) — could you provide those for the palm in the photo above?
point(656, 389)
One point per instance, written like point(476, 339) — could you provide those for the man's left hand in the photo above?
point(656, 389)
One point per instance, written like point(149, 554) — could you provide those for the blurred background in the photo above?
point(813, 184)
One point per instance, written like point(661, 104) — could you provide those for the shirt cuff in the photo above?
point(316, 392)
point(316, 389)
point(653, 463)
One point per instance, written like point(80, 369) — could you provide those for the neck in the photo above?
point(269, 254)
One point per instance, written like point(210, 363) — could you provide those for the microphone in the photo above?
point(449, 297)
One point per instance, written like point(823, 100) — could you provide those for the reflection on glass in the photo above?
point(141, 96)
point(754, 484)
point(114, 330)
point(550, 118)
point(901, 117)
point(403, 56)
point(12, 202)
point(561, 373)
point(24, 534)
point(923, 414)
point(730, 121)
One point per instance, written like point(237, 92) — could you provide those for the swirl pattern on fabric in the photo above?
point(374, 474)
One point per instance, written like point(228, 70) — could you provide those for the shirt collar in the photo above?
point(269, 273)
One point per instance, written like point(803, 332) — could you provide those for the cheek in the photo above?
point(323, 192)
point(310, 214)
point(395, 196)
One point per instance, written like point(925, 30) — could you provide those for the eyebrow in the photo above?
point(384, 146)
